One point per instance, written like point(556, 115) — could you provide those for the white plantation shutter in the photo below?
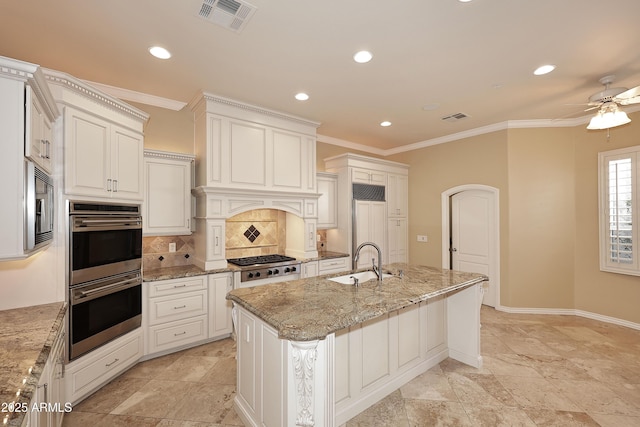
point(619, 220)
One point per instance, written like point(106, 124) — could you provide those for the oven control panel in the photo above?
point(267, 272)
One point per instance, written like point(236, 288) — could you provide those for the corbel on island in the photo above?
point(313, 352)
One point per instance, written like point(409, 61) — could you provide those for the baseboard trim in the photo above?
point(570, 312)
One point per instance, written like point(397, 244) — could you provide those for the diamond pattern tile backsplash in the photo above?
point(155, 251)
point(257, 232)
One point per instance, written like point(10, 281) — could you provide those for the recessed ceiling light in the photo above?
point(160, 52)
point(464, 1)
point(545, 69)
point(302, 96)
point(362, 57)
point(385, 124)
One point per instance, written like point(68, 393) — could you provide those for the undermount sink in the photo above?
point(363, 276)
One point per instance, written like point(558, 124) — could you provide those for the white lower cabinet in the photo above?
point(220, 324)
point(378, 354)
point(333, 265)
point(92, 371)
point(309, 269)
point(176, 313)
point(49, 396)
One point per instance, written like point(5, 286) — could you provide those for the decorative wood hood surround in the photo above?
point(249, 157)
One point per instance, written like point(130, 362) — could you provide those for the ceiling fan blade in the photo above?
point(593, 108)
point(631, 96)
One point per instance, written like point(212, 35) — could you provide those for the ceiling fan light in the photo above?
point(608, 118)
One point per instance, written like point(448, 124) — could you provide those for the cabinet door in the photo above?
point(288, 161)
point(397, 195)
point(219, 307)
point(126, 164)
point(309, 269)
point(167, 199)
point(38, 137)
point(87, 154)
point(397, 229)
point(371, 226)
point(327, 206)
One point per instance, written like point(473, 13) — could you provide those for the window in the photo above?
point(619, 219)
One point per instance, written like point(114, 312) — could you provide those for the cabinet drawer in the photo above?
point(177, 307)
point(176, 286)
point(102, 365)
point(333, 265)
point(175, 334)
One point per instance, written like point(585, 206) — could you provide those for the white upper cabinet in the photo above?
point(366, 176)
point(27, 111)
point(397, 195)
point(167, 195)
point(39, 132)
point(250, 148)
point(101, 159)
point(103, 141)
point(327, 202)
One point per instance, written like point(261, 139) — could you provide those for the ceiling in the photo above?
point(475, 58)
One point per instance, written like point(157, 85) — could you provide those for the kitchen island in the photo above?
point(313, 352)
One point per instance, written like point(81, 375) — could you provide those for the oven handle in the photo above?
point(88, 223)
point(91, 294)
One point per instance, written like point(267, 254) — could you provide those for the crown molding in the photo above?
point(139, 97)
point(157, 154)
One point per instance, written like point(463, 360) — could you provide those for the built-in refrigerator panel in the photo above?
point(369, 222)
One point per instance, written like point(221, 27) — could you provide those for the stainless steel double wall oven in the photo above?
point(105, 273)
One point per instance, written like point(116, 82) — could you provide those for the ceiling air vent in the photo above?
point(454, 117)
point(230, 14)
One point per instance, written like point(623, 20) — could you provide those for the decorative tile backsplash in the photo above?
point(155, 251)
point(257, 232)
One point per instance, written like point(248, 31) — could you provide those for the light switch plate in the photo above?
point(422, 238)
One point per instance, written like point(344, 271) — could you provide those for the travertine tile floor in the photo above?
point(539, 370)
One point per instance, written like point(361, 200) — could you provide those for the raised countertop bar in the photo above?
point(310, 309)
point(26, 337)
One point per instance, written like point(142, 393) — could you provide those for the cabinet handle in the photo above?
point(180, 333)
point(108, 365)
point(179, 307)
point(179, 286)
point(48, 149)
point(115, 185)
point(109, 184)
point(216, 241)
point(43, 149)
point(188, 226)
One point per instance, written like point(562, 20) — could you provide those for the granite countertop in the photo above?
point(310, 309)
point(181, 271)
point(26, 337)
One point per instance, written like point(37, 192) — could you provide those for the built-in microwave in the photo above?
point(38, 207)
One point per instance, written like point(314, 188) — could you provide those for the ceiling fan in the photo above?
point(608, 102)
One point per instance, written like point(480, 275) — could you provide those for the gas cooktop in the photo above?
point(259, 260)
point(266, 267)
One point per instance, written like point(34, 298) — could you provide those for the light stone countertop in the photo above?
point(178, 272)
point(26, 337)
point(310, 309)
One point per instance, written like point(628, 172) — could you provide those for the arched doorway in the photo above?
point(471, 234)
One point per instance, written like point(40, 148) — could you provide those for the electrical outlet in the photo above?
point(422, 238)
point(172, 247)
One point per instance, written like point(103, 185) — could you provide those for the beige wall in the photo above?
point(541, 218)
point(478, 160)
point(168, 130)
point(609, 294)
